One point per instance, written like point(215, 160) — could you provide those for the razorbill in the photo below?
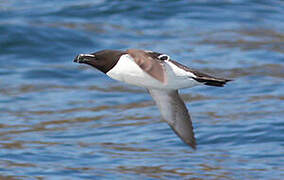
point(160, 75)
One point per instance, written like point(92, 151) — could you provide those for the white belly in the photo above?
point(128, 71)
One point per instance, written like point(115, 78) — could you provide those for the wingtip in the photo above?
point(191, 142)
point(193, 146)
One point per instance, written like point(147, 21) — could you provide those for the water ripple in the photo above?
point(61, 120)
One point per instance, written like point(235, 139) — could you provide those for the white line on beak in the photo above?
point(86, 55)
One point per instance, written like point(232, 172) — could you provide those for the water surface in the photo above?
point(60, 120)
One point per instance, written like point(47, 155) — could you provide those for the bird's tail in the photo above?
point(210, 80)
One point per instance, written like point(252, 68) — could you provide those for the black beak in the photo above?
point(83, 58)
point(77, 59)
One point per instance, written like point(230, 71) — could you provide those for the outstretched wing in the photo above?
point(174, 111)
point(153, 67)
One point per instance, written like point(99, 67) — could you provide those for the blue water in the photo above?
point(61, 120)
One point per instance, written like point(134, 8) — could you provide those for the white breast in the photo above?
point(128, 71)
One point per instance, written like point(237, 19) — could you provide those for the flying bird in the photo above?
point(161, 76)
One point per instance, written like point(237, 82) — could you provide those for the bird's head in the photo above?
point(102, 60)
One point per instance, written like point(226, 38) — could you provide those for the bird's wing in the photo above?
point(174, 111)
point(150, 65)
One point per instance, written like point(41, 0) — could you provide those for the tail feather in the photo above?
point(202, 77)
point(210, 81)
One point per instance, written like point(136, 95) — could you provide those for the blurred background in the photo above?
point(61, 120)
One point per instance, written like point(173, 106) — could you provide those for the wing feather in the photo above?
point(151, 66)
point(174, 111)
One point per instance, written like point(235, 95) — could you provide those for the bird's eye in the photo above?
point(164, 57)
